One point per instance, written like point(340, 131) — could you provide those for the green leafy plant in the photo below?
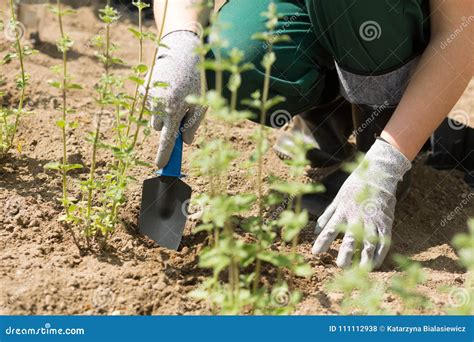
point(10, 117)
point(242, 261)
point(461, 299)
point(108, 16)
point(64, 85)
point(405, 285)
point(361, 294)
point(127, 130)
point(96, 213)
point(364, 295)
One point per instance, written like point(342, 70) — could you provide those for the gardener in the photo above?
point(401, 64)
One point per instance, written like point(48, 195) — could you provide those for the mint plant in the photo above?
point(405, 285)
point(104, 197)
point(461, 299)
point(64, 85)
point(10, 117)
point(108, 16)
point(96, 213)
point(140, 69)
point(213, 160)
point(261, 102)
point(228, 254)
point(127, 133)
point(361, 294)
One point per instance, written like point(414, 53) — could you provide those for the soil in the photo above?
point(43, 272)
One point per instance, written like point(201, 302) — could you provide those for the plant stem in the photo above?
point(140, 61)
point(294, 242)
point(123, 165)
point(263, 114)
point(64, 111)
point(91, 180)
point(148, 85)
point(117, 127)
point(23, 78)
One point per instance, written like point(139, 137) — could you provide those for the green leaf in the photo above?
point(135, 32)
point(141, 68)
point(70, 167)
point(292, 223)
point(52, 166)
point(74, 86)
point(61, 123)
point(303, 270)
point(160, 84)
point(274, 258)
point(136, 80)
point(55, 84)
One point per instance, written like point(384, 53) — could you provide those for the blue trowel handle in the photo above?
point(173, 168)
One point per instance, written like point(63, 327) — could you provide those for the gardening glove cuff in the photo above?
point(387, 164)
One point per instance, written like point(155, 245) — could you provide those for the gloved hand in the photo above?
point(379, 173)
point(176, 65)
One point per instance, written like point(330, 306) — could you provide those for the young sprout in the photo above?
point(9, 128)
point(64, 44)
point(405, 285)
point(140, 69)
point(361, 294)
point(228, 254)
point(109, 16)
point(461, 299)
point(262, 102)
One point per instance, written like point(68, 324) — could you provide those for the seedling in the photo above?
point(96, 213)
point(64, 84)
point(461, 299)
point(228, 254)
point(405, 285)
point(10, 117)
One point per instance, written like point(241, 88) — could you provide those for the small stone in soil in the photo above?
point(74, 283)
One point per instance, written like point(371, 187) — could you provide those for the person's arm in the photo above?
point(181, 15)
point(439, 80)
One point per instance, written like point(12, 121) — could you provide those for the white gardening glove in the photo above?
point(176, 65)
point(379, 173)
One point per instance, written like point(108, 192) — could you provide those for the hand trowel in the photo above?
point(165, 200)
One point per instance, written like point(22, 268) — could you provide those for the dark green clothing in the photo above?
point(371, 36)
point(364, 37)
